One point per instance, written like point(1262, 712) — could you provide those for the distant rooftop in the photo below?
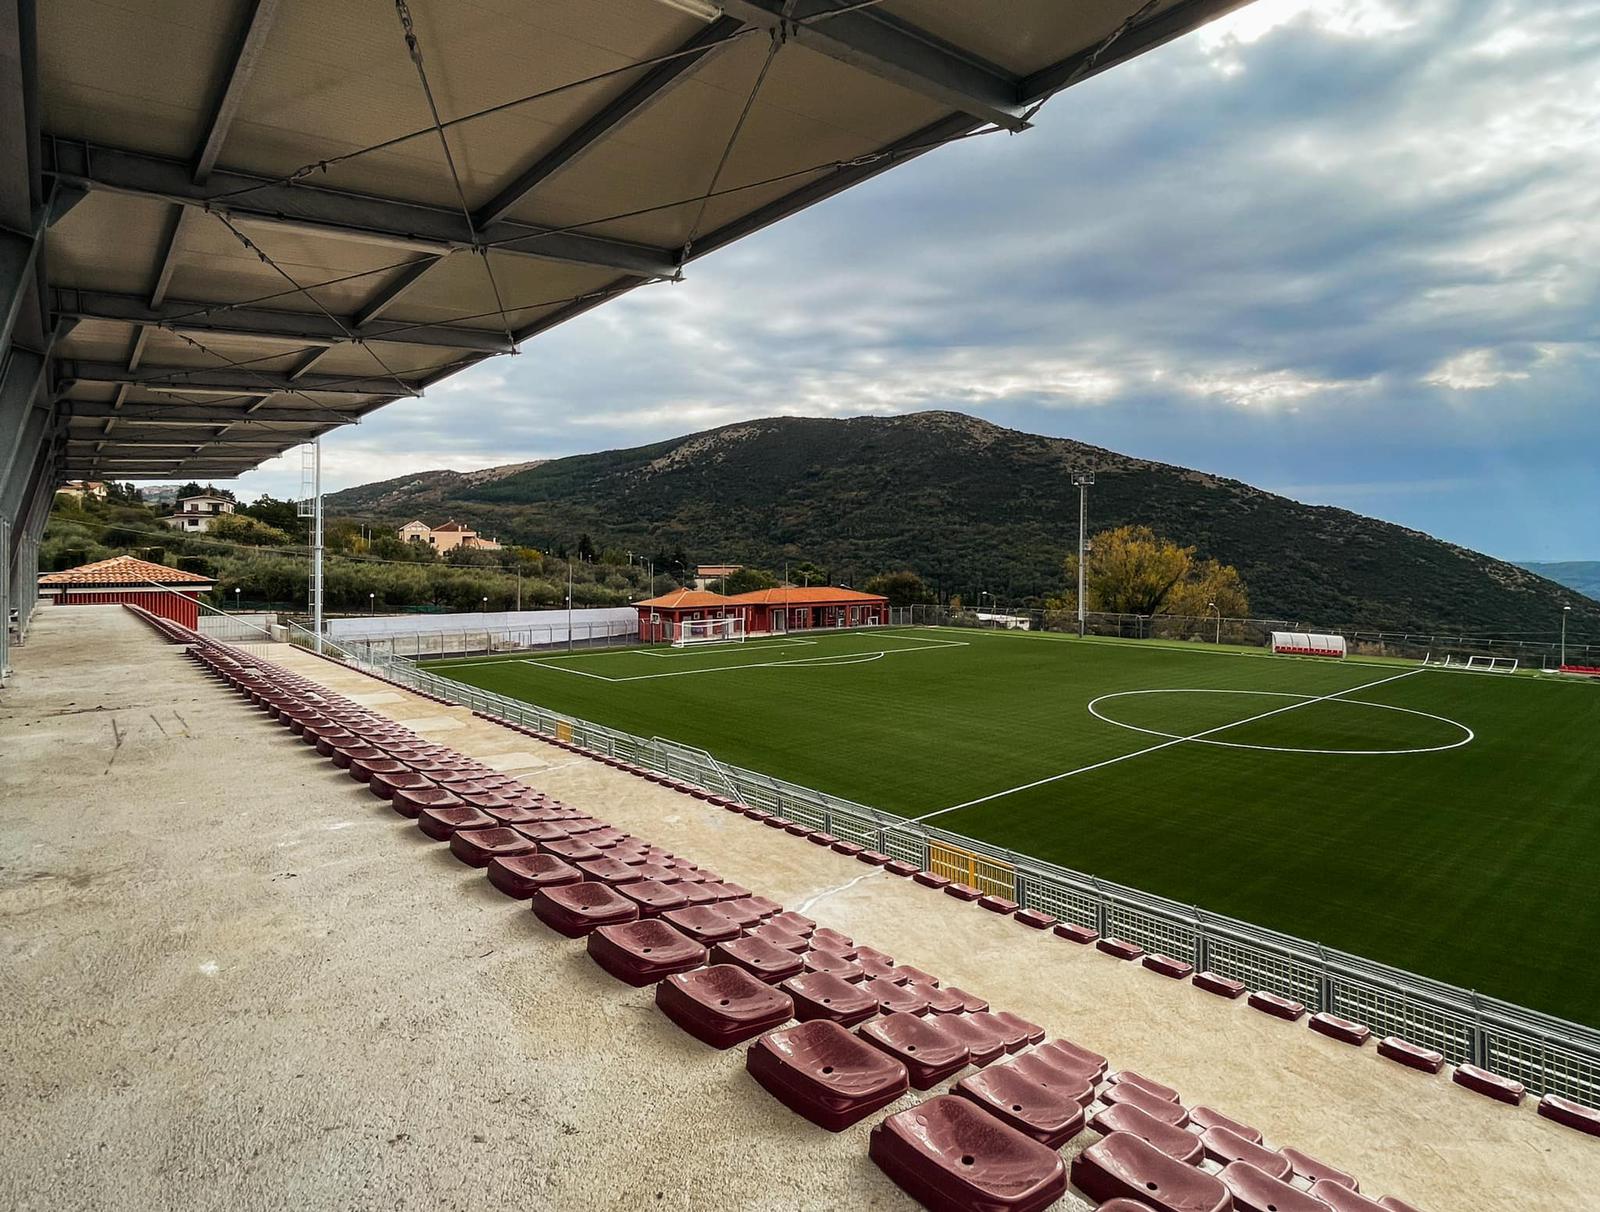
point(123, 570)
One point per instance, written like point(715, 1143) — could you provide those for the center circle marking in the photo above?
point(1467, 737)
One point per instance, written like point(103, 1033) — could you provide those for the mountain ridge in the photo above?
point(971, 505)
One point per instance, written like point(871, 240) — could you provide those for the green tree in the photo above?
point(807, 573)
point(747, 580)
point(901, 588)
point(283, 515)
point(1132, 570)
point(242, 528)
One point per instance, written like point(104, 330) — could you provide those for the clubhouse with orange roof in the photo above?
point(765, 611)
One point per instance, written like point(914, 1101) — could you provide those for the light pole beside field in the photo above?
point(1082, 479)
point(372, 604)
point(1565, 611)
point(1218, 609)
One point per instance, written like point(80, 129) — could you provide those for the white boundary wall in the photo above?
point(442, 634)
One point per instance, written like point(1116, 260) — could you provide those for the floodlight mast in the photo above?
point(1082, 479)
point(1565, 611)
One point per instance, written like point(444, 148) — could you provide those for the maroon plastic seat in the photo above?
point(797, 829)
point(1413, 1056)
point(1314, 1171)
point(643, 952)
point(929, 1053)
point(572, 850)
point(478, 847)
point(1207, 1117)
point(1121, 948)
point(543, 831)
point(950, 1155)
point(740, 912)
point(836, 965)
point(819, 838)
point(1165, 965)
point(523, 875)
point(412, 802)
point(1391, 1203)
point(1502, 1089)
point(1123, 1166)
point(1275, 1005)
point(898, 999)
point(1075, 933)
point(698, 894)
point(832, 940)
point(705, 924)
point(1173, 1141)
point(1065, 1054)
point(795, 923)
point(998, 904)
point(768, 933)
point(879, 970)
point(873, 858)
point(722, 1005)
point(757, 957)
point(652, 896)
point(1049, 1116)
point(1031, 1032)
point(384, 783)
point(1572, 1114)
point(824, 995)
point(767, 908)
point(917, 976)
point(929, 880)
point(963, 892)
point(1343, 1199)
point(824, 1073)
point(849, 849)
point(1341, 1029)
point(1034, 919)
point(658, 871)
point(984, 1044)
point(872, 953)
point(362, 769)
point(1253, 1191)
point(576, 909)
point(609, 871)
point(1152, 1104)
point(940, 1001)
point(1225, 1147)
point(1146, 1084)
point(1222, 986)
point(440, 823)
point(971, 1003)
point(1016, 1039)
point(900, 867)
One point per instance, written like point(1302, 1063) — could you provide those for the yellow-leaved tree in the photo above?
point(1133, 570)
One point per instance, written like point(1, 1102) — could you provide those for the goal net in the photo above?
point(1306, 643)
point(708, 631)
point(1484, 664)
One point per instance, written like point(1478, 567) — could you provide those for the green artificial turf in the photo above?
point(1474, 864)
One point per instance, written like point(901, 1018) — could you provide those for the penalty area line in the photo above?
point(1178, 740)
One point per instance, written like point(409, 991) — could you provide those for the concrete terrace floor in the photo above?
point(234, 979)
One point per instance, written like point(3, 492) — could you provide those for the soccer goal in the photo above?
point(1483, 664)
point(708, 631)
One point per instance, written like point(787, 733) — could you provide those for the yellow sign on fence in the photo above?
point(991, 876)
point(564, 731)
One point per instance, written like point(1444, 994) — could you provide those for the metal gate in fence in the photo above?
point(990, 876)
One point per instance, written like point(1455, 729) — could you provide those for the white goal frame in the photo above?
point(1478, 664)
point(726, 630)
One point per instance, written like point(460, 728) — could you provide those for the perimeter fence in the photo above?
point(1252, 633)
point(1546, 1053)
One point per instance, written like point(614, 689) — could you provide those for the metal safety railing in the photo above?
point(1546, 1053)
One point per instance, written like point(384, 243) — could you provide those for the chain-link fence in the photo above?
point(1253, 633)
point(1544, 1052)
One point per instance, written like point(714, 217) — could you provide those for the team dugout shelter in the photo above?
point(762, 611)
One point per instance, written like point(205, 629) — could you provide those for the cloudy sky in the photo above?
point(1347, 250)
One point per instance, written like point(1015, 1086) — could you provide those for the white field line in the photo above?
point(1067, 774)
point(813, 662)
point(678, 654)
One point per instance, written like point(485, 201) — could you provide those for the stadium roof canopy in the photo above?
point(229, 227)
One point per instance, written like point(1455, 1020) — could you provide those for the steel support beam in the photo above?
point(199, 414)
point(22, 380)
point(303, 328)
point(884, 46)
point(27, 456)
point(244, 382)
point(328, 212)
point(644, 92)
point(243, 64)
point(385, 298)
point(1166, 25)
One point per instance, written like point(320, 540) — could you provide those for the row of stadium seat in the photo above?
point(731, 967)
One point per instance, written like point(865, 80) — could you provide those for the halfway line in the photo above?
point(1067, 774)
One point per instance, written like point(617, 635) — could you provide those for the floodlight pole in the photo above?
point(1565, 611)
point(1082, 479)
point(569, 605)
point(1218, 609)
point(316, 541)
